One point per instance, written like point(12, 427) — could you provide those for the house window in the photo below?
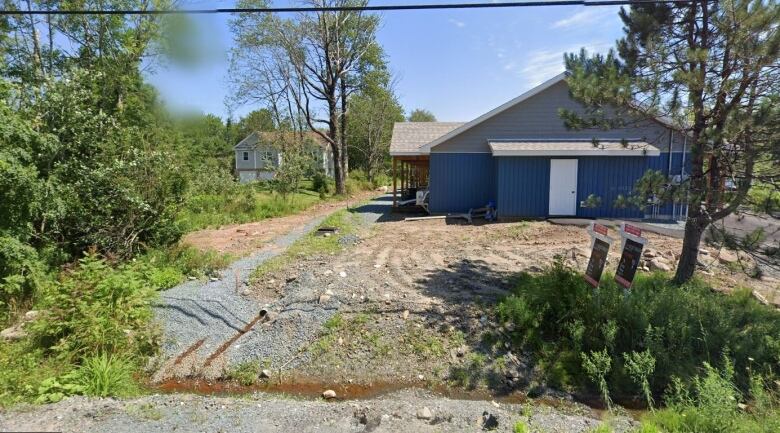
point(267, 155)
point(246, 156)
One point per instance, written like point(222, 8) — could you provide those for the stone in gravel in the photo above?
point(13, 333)
point(265, 373)
point(328, 394)
point(324, 299)
point(424, 413)
point(31, 315)
point(405, 314)
point(726, 257)
point(328, 272)
point(342, 274)
point(659, 264)
point(214, 279)
point(377, 266)
point(489, 421)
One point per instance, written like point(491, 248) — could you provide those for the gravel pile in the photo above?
point(347, 240)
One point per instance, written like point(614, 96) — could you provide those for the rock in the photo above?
point(405, 314)
point(659, 264)
point(704, 252)
point(462, 350)
point(265, 373)
point(534, 269)
point(726, 257)
point(291, 279)
point(489, 421)
point(377, 266)
point(342, 274)
point(424, 413)
point(324, 299)
point(650, 253)
point(31, 315)
point(214, 279)
point(328, 394)
point(13, 333)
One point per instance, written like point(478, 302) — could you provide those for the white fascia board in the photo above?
point(500, 109)
point(601, 152)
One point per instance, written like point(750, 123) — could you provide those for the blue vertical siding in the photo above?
point(608, 177)
point(520, 186)
point(461, 181)
point(523, 186)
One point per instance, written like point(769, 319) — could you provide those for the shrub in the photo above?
point(98, 309)
point(713, 403)
point(559, 316)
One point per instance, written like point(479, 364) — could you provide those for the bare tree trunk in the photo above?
point(689, 256)
point(336, 147)
point(343, 132)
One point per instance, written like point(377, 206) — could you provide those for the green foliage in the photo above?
point(421, 115)
point(106, 376)
point(764, 198)
point(98, 309)
point(712, 404)
point(559, 316)
point(520, 427)
point(23, 368)
point(597, 365)
point(245, 373)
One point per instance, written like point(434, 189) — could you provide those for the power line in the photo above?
point(367, 8)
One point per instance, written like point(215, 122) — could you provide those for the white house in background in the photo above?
point(260, 154)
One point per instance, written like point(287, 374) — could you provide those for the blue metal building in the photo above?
point(521, 157)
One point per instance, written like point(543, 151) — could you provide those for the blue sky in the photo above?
point(456, 63)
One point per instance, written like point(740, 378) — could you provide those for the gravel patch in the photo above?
point(199, 318)
point(401, 411)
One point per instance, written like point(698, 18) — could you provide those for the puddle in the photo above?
point(313, 389)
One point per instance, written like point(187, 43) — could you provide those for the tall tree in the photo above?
point(314, 59)
point(712, 68)
point(421, 115)
point(374, 111)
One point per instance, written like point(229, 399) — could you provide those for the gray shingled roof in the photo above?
point(410, 136)
point(571, 147)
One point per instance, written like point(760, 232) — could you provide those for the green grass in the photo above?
point(310, 244)
point(245, 373)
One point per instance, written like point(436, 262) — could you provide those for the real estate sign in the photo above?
point(633, 243)
point(600, 243)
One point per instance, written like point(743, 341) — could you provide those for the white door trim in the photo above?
point(563, 187)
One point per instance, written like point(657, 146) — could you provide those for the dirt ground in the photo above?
point(415, 301)
point(240, 239)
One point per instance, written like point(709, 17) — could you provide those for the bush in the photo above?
point(98, 309)
point(714, 404)
point(655, 324)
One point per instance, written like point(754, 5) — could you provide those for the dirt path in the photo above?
point(242, 239)
point(405, 411)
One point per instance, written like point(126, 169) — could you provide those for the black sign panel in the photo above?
point(598, 258)
point(629, 260)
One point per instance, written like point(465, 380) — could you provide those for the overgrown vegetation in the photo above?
point(638, 343)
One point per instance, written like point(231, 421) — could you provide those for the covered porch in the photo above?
point(410, 174)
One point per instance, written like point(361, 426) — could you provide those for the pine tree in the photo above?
point(711, 67)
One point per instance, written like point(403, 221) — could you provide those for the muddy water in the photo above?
point(307, 388)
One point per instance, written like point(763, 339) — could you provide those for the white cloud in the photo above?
point(586, 17)
point(456, 23)
point(541, 65)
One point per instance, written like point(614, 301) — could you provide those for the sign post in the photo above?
point(600, 244)
point(633, 243)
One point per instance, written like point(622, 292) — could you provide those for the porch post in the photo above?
point(394, 181)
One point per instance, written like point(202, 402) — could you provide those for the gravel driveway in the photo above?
point(208, 325)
